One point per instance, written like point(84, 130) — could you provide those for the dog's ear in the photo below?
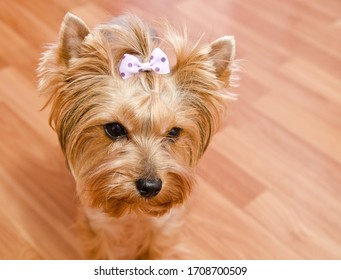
point(222, 52)
point(72, 33)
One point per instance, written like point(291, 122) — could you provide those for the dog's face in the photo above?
point(132, 144)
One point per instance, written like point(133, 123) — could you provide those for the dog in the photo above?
point(132, 125)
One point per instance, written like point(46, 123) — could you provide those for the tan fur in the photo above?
point(80, 77)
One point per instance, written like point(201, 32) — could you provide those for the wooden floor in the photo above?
point(269, 186)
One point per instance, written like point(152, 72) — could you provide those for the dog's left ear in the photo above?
point(72, 33)
point(222, 52)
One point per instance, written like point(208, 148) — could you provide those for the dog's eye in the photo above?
point(174, 133)
point(115, 130)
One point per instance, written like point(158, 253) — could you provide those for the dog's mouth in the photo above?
point(156, 206)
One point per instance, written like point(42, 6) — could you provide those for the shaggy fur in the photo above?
point(80, 77)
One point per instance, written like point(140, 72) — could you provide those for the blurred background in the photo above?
point(269, 186)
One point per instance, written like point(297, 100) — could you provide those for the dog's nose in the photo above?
point(148, 187)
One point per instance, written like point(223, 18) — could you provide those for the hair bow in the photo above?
point(158, 62)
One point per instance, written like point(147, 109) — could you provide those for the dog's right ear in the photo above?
point(72, 33)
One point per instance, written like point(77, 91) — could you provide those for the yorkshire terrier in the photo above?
point(132, 126)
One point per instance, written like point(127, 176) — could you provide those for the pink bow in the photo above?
point(130, 65)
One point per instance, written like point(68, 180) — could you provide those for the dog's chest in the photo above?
point(130, 236)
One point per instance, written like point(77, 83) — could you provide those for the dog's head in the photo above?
point(132, 144)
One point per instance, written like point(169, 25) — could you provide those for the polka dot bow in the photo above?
point(130, 65)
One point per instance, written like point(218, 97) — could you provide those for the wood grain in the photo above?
point(269, 186)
